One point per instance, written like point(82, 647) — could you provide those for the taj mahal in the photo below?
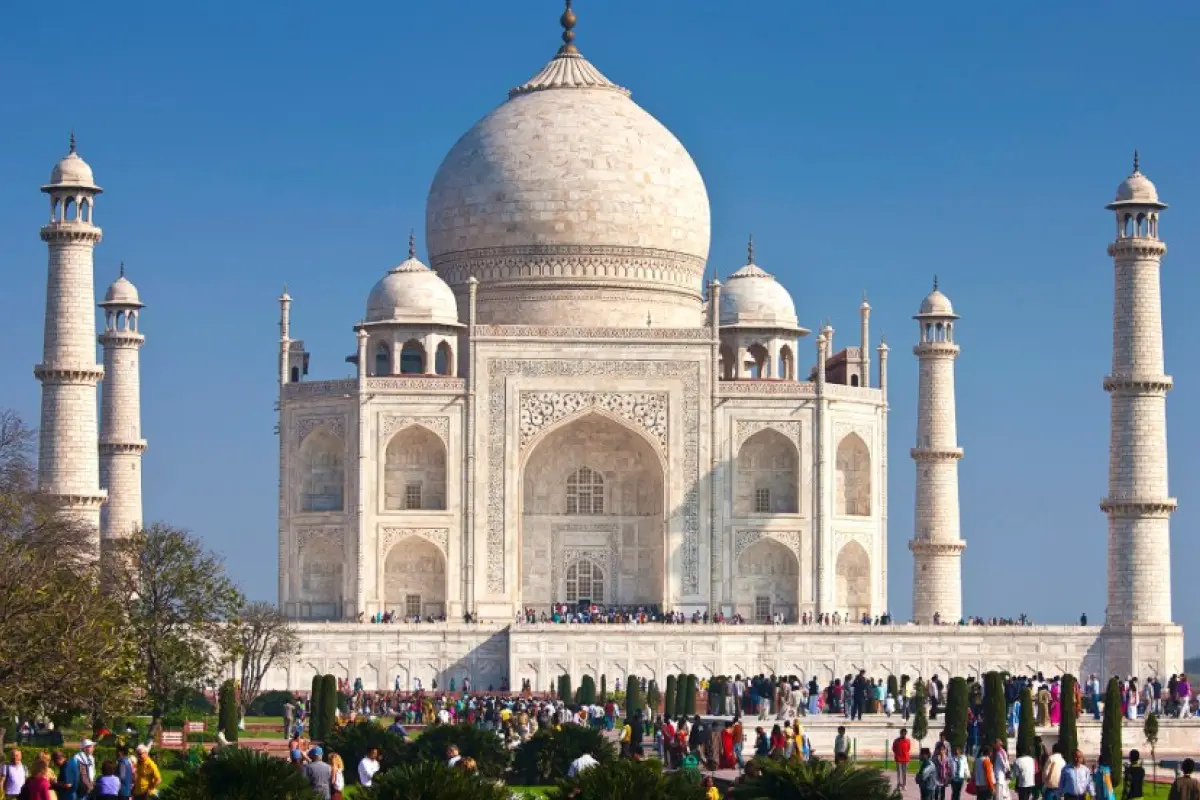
point(563, 404)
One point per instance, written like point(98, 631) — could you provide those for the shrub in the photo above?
point(956, 712)
point(920, 727)
point(680, 695)
point(227, 710)
point(631, 780)
point(633, 696)
point(433, 780)
point(1025, 728)
point(485, 747)
point(1068, 736)
point(546, 757)
point(653, 697)
point(237, 774)
point(329, 699)
point(815, 779)
point(995, 709)
point(352, 742)
point(1110, 731)
point(314, 706)
point(587, 691)
point(269, 704)
point(689, 700)
point(669, 698)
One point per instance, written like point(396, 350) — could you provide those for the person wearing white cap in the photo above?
point(80, 771)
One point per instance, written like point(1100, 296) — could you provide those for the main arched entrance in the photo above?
point(592, 517)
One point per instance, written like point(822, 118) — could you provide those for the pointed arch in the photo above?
point(787, 363)
point(321, 578)
point(322, 471)
point(414, 578)
point(727, 363)
point(443, 362)
point(758, 361)
point(414, 473)
point(412, 358)
point(767, 582)
point(852, 483)
point(383, 359)
point(854, 580)
point(768, 475)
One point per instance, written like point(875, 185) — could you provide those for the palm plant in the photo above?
point(815, 780)
point(631, 780)
point(237, 774)
point(433, 780)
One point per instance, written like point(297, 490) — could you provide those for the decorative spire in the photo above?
point(72, 140)
point(412, 245)
point(567, 20)
point(935, 286)
point(122, 269)
point(1135, 163)
point(750, 249)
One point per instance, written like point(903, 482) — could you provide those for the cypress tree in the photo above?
point(314, 706)
point(227, 711)
point(653, 696)
point(893, 687)
point(603, 689)
point(1025, 730)
point(995, 709)
point(956, 712)
point(1068, 737)
point(669, 698)
point(587, 691)
point(689, 701)
point(1110, 732)
point(681, 695)
point(633, 696)
point(920, 728)
point(329, 698)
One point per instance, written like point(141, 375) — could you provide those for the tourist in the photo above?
point(779, 743)
point(1185, 786)
point(728, 760)
point(319, 774)
point(762, 743)
point(1001, 769)
point(984, 777)
point(146, 777)
point(337, 782)
point(126, 770)
point(1102, 780)
point(1076, 780)
point(901, 748)
point(1134, 777)
point(941, 761)
point(1052, 773)
point(841, 745)
point(1025, 773)
point(108, 785)
point(737, 733)
point(959, 772)
point(368, 767)
point(1183, 689)
point(39, 783)
point(582, 764)
point(927, 778)
point(14, 774)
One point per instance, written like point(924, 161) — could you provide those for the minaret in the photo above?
point(936, 546)
point(1138, 505)
point(864, 347)
point(121, 443)
point(68, 455)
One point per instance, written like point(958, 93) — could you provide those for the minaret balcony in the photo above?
point(1138, 384)
point(936, 453)
point(59, 232)
point(1141, 507)
point(945, 349)
point(69, 373)
point(125, 338)
point(136, 447)
point(76, 500)
point(924, 547)
point(1137, 247)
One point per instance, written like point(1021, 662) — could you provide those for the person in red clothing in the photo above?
point(901, 748)
point(38, 785)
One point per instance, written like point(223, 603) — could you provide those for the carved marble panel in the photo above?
point(389, 424)
point(646, 410)
point(743, 538)
point(745, 428)
point(388, 536)
point(306, 425)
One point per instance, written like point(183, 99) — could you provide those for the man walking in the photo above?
point(901, 749)
point(146, 777)
point(1185, 786)
point(318, 774)
point(1076, 781)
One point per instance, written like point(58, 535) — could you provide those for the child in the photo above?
point(1135, 776)
point(108, 786)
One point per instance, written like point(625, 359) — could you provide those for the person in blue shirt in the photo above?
point(125, 770)
point(396, 727)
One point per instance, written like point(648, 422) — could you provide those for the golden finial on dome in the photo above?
point(567, 20)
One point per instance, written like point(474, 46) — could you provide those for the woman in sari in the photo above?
point(1055, 702)
point(727, 759)
point(779, 743)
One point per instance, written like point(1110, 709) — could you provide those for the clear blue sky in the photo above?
point(867, 145)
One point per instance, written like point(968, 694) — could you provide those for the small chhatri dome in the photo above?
point(72, 171)
point(122, 292)
point(752, 298)
point(936, 304)
point(412, 293)
point(1137, 190)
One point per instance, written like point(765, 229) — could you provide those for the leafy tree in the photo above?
point(633, 696)
point(603, 689)
point(587, 690)
point(315, 705)
point(547, 755)
point(257, 638)
point(1026, 732)
point(352, 742)
point(995, 709)
point(269, 704)
point(329, 699)
point(227, 710)
point(920, 728)
point(433, 780)
point(653, 696)
point(1110, 730)
point(240, 774)
point(1068, 736)
point(815, 780)
point(631, 780)
point(669, 698)
point(956, 712)
point(178, 599)
point(485, 747)
point(65, 649)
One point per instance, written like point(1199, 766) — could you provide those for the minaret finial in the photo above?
point(122, 269)
point(750, 249)
point(412, 245)
point(567, 20)
point(72, 140)
point(1135, 162)
point(935, 285)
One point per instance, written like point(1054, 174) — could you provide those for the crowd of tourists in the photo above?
point(76, 777)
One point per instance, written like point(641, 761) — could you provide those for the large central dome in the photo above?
point(572, 206)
